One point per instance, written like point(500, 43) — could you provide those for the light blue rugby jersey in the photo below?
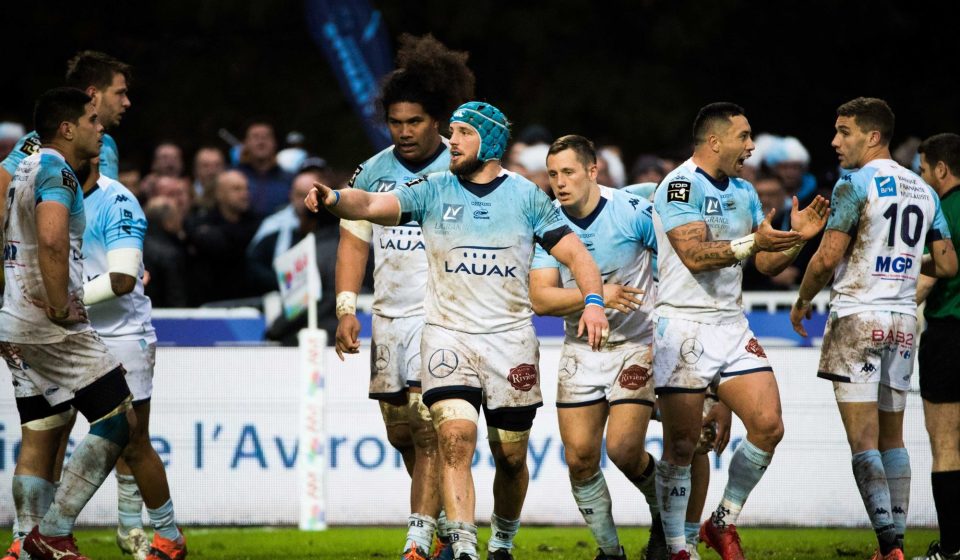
point(891, 214)
point(40, 178)
point(731, 209)
point(30, 144)
point(115, 221)
point(400, 261)
point(479, 241)
point(620, 236)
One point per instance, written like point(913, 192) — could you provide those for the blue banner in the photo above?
point(355, 42)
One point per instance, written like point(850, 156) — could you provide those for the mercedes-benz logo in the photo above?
point(443, 362)
point(691, 350)
point(568, 367)
point(382, 359)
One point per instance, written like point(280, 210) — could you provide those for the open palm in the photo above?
point(812, 219)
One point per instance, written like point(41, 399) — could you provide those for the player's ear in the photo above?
point(592, 172)
point(940, 171)
point(92, 91)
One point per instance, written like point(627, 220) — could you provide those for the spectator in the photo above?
point(269, 184)
point(207, 164)
point(789, 160)
point(648, 169)
point(129, 176)
point(532, 164)
point(277, 232)
point(291, 158)
point(177, 189)
point(753, 166)
point(221, 237)
point(10, 133)
point(167, 160)
point(165, 255)
point(773, 195)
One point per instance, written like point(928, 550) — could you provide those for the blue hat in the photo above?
point(490, 123)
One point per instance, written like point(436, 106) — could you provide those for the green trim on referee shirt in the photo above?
point(944, 300)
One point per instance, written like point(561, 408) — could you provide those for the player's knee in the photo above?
point(680, 450)
point(625, 454)
point(456, 445)
point(400, 437)
point(421, 423)
point(581, 463)
point(768, 430)
point(510, 460)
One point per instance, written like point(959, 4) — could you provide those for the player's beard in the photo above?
point(467, 167)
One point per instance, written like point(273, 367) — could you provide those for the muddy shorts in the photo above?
point(688, 356)
point(869, 347)
point(57, 370)
point(618, 375)
point(394, 356)
point(138, 356)
point(504, 366)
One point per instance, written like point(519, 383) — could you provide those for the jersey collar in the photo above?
point(480, 191)
point(418, 166)
point(586, 221)
point(721, 184)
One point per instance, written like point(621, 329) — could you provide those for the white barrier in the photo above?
point(225, 421)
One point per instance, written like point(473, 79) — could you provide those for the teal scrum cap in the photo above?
point(490, 123)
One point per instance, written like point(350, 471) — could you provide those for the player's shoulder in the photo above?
point(369, 168)
point(116, 191)
point(109, 141)
point(29, 144)
point(52, 166)
point(677, 184)
point(624, 200)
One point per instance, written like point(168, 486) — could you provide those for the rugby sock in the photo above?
point(88, 467)
point(896, 466)
point(946, 498)
point(32, 496)
point(692, 530)
point(164, 521)
point(673, 493)
point(746, 469)
point(420, 530)
point(593, 501)
point(463, 539)
point(502, 532)
point(443, 526)
point(647, 484)
point(872, 482)
point(129, 503)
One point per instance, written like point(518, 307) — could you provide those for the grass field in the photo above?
point(553, 543)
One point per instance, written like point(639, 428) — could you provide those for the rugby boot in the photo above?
point(13, 553)
point(414, 553)
point(500, 554)
point(442, 549)
point(895, 554)
point(134, 543)
point(601, 555)
point(657, 545)
point(40, 547)
point(724, 540)
point(934, 553)
point(165, 549)
point(682, 555)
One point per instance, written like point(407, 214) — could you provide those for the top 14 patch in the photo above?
point(678, 191)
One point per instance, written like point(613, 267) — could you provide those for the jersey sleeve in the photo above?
point(846, 204)
point(939, 229)
point(543, 259)
point(548, 227)
point(413, 196)
point(26, 146)
point(679, 201)
point(361, 177)
point(57, 184)
point(756, 208)
point(123, 223)
point(643, 223)
point(109, 158)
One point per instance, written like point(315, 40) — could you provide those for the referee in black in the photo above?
point(939, 374)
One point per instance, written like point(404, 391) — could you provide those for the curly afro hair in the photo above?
point(430, 74)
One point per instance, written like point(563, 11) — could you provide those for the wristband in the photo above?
point(792, 252)
point(337, 201)
point(743, 248)
point(346, 303)
point(593, 299)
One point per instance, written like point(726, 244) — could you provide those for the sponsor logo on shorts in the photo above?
point(753, 346)
point(868, 368)
point(690, 350)
point(523, 377)
point(442, 363)
point(892, 337)
point(568, 367)
point(382, 358)
point(634, 377)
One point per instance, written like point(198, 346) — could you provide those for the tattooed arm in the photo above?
point(700, 255)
